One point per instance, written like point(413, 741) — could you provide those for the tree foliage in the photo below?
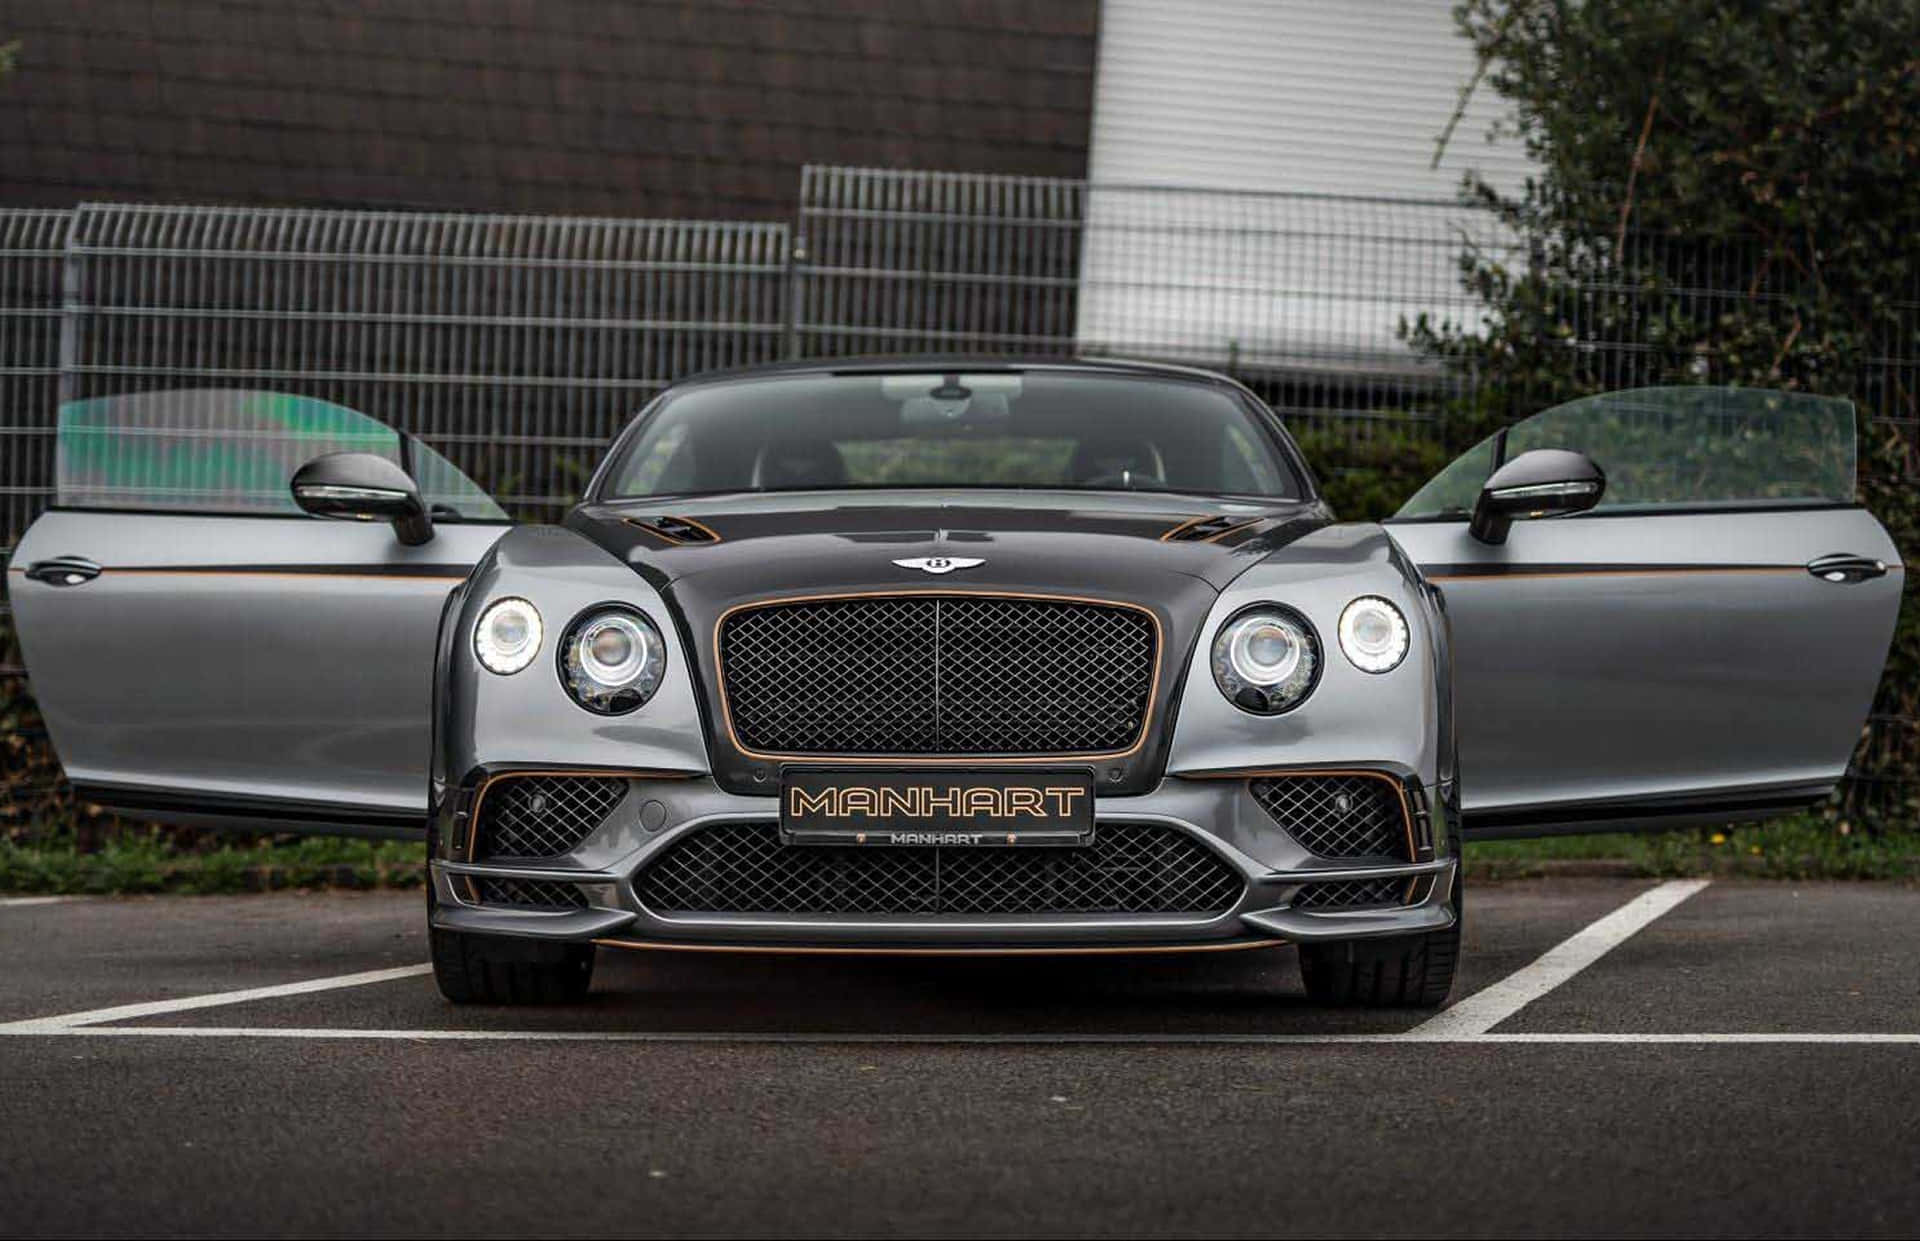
point(1724, 194)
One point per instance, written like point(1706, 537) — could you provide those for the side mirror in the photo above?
point(359, 486)
point(1547, 482)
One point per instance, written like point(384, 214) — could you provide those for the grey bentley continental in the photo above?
point(955, 655)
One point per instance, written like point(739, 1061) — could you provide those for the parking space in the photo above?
point(1202, 1095)
point(1252, 993)
point(83, 954)
point(1760, 957)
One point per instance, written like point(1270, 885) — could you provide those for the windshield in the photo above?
point(1051, 430)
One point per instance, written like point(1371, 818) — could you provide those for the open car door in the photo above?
point(205, 651)
point(1703, 644)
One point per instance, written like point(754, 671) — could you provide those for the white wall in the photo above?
point(1325, 96)
point(1318, 97)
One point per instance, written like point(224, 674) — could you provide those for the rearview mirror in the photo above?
point(359, 486)
point(1547, 482)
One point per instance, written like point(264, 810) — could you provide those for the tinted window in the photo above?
point(445, 488)
point(1678, 447)
point(1051, 430)
point(211, 451)
point(227, 451)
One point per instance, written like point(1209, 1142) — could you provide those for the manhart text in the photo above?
point(924, 801)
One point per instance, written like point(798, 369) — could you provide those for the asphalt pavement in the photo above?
point(1739, 1060)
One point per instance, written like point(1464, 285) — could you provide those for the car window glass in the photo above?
point(1686, 447)
point(1013, 462)
point(662, 459)
point(202, 450)
point(993, 429)
point(443, 486)
point(1244, 466)
point(1452, 492)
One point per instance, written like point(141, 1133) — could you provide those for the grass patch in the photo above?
point(151, 862)
point(1803, 847)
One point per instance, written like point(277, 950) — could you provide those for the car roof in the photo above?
point(914, 362)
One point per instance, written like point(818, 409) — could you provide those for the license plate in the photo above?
point(935, 806)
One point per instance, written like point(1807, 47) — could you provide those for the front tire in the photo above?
point(494, 969)
point(1400, 971)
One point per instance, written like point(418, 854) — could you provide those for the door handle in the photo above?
point(1840, 567)
point(64, 571)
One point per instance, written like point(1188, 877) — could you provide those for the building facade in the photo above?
point(708, 108)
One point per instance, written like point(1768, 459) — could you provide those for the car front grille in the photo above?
point(544, 816)
point(742, 868)
point(938, 674)
point(1342, 816)
point(530, 894)
point(1353, 893)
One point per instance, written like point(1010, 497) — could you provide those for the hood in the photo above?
point(757, 544)
point(1171, 555)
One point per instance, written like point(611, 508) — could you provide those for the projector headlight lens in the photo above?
point(1373, 634)
point(612, 661)
point(508, 636)
point(1266, 659)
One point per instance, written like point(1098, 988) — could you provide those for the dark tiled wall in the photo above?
point(618, 107)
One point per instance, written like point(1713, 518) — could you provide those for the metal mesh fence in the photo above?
point(516, 346)
point(32, 257)
point(897, 262)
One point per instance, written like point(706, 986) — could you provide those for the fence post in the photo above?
point(791, 310)
point(73, 287)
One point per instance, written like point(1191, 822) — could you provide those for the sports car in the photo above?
point(955, 655)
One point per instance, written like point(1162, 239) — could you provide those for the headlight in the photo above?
point(508, 636)
point(612, 661)
point(1373, 634)
point(1266, 659)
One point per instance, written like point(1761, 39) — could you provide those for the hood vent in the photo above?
point(676, 530)
point(1207, 529)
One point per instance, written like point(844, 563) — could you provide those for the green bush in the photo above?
point(1367, 479)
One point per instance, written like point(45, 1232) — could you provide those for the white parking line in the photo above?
point(17, 902)
point(829, 1038)
point(127, 1012)
point(1483, 1010)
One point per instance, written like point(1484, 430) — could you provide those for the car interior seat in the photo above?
point(783, 465)
point(1126, 461)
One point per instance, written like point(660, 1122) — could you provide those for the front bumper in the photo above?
point(1219, 812)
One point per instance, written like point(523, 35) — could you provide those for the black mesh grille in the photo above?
point(932, 674)
point(1337, 816)
point(544, 816)
point(531, 894)
point(1352, 893)
point(1129, 869)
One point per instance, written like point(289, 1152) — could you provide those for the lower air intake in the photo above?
point(1344, 816)
point(1352, 893)
point(544, 816)
point(531, 894)
point(742, 868)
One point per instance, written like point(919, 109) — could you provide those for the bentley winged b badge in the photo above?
point(940, 564)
